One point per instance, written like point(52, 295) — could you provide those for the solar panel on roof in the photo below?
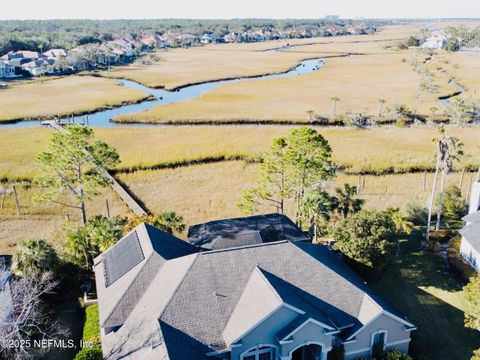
point(121, 258)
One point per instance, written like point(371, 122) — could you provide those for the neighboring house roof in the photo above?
point(38, 63)
point(473, 217)
point(5, 289)
point(54, 53)
point(222, 234)
point(202, 302)
point(471, 233)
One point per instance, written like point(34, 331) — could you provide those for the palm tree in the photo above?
point(402, 225)
point(346, 201)
point(452, 151)
point(335, 99)
point(169, 222)
point(310, 113)
point(445, 158)
point(382, 102)
point(316, 208)
point(34, 256)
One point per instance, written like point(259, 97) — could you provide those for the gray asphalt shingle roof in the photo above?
point(471, 233)
point(214, 297)
point(222, 234)
point(306, 276)
point(146, 248)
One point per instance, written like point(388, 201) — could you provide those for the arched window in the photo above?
point(260, 353)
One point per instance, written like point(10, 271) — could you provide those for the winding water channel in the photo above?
point(163, 97)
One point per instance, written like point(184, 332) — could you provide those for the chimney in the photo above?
point(474, 198)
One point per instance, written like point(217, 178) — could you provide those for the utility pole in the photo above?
point(16, 199)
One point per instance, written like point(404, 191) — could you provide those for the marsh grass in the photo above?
point(372, 151)
point(211, 191)
point(62, 96)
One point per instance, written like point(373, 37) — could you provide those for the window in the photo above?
point(260, 353)
point(379, 339)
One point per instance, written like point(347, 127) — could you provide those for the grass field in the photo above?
point(384, 149)
point(179, 67)
point(418, 286)
point(44, 221)
point(211, 191)
point(62, 96)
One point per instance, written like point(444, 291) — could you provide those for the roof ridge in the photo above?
point(268, 283)
point(208, 252)
point(179, 284)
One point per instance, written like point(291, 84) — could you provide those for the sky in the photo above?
point(226, 9)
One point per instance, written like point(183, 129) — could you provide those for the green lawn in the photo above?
point(418, 286)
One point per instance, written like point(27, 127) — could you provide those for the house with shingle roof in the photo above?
point(470, 244)
point(164, 298)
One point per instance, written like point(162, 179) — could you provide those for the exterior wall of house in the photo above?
point(396, 337)
point(474, 198)
point(471, 255)
point(264, 333)
point(311, 333)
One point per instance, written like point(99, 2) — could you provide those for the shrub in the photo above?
point(453, 205)
point(34, 256)
point(416, 213)
point(367, 237)
point(91, 328)
point(395, 354)
point(93, 353)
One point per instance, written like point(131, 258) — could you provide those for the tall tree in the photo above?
point(273, 187)
point(292, 166)
point(71, 166)
point(451, 149)
point(346, 200)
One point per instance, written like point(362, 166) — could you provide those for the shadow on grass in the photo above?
point(441, 333)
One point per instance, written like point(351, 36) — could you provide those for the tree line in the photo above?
point(36, 35)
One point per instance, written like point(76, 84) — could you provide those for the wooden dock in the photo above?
point(124, 195)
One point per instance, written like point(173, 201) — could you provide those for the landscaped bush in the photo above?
point(91, 336)
point(453, 204)
point(94, 353)
point(416, 213)
point(91, 328)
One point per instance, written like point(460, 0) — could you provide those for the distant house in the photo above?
point(253, 230)
point(470, 245)
point(163, 298)
point(7, 70)
point(42, 66)
point(56, 53)
point(438, 41)
point(23, 55)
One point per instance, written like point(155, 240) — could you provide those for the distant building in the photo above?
point(470, 245)
point(7, 70)
point(438, 41)
point(332, 17)
point(42, 66)
point(56, 53)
